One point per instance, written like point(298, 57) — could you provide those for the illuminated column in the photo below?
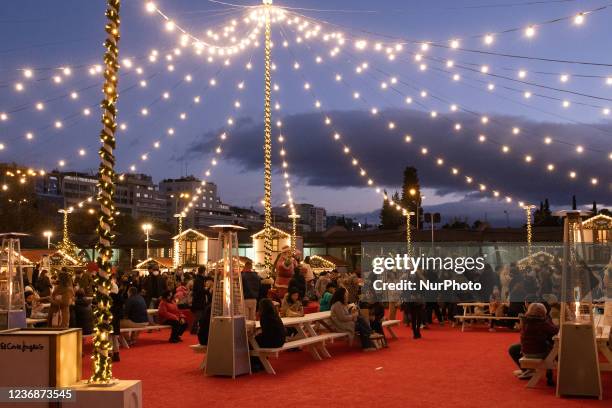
point(407, 214)
point(177, 244)
point(102, 366)
point(528, 209)
point(268, 141)
point(294, 217)
point(65, 236)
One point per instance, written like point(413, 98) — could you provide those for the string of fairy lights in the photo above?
point(457, 126)
point(339, 41)
point(392, 46)
point(391, 126)
point(302, 24)
point(439, 161)
point(420, 57)
point(144, 112)
point(390, 82)
point(214, 161)
point(234, 38)
point(209, 46)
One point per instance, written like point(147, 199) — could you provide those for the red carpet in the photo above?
point(446, 368)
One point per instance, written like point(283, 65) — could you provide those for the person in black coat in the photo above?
point(201, 296)
point(204, 326)
point(82, 312)
point(272, 329)
point(154, 286)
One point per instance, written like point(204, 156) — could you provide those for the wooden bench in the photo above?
point(389, 324)
point(538, 365)
point(315, 344)
point(464, 318)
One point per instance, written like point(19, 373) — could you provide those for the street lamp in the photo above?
point(147, 229)
point(48, 235)
point(413, 192)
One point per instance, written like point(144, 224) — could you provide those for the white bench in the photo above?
point(315, 344)
point(464, 318)
point(389, 324)
point(122, 340)
point(539, 365)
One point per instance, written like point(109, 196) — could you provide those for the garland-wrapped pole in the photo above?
point(294, 217)
point(268, 141)
point(407, 214)
point(102, 366)
point(528, 209)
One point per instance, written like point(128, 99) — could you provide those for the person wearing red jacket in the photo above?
point(169, 313)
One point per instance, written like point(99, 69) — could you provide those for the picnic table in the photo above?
point(306, 337)
point(603, 339)
point(469, 314)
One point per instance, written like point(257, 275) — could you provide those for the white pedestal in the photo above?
point(123, 394)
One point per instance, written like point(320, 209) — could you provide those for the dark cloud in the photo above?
point(319, 161)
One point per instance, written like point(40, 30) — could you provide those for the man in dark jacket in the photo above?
point(154, 286)
point(199, 299)
point(250, 290)
point(134, 313)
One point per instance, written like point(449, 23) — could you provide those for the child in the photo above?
point(292, 304)
point(325, 304)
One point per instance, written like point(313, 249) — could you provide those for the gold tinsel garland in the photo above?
point(268, 146)
point(102, 366)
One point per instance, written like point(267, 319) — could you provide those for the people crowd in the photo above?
point(184, 299)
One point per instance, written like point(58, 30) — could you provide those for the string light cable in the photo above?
point(396, 42)
point(505, 149)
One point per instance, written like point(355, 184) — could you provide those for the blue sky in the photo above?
point(49, 34)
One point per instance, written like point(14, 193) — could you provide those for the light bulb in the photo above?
point(150, 7)
point(579, 19)
point(488, 39)
point(530, 31)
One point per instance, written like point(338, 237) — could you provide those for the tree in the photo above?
point(543, 216)
point(411, 194)
point(457, 224)
point(390, 218)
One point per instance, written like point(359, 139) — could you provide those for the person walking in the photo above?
point(250, 290)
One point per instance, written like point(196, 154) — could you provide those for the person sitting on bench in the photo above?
point(537, 332)
point(171, 315)
point(348, 320)
point(134, 313)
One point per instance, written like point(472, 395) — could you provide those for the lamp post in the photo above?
point(48, 235)
point(147, 229)
point(294, 217)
